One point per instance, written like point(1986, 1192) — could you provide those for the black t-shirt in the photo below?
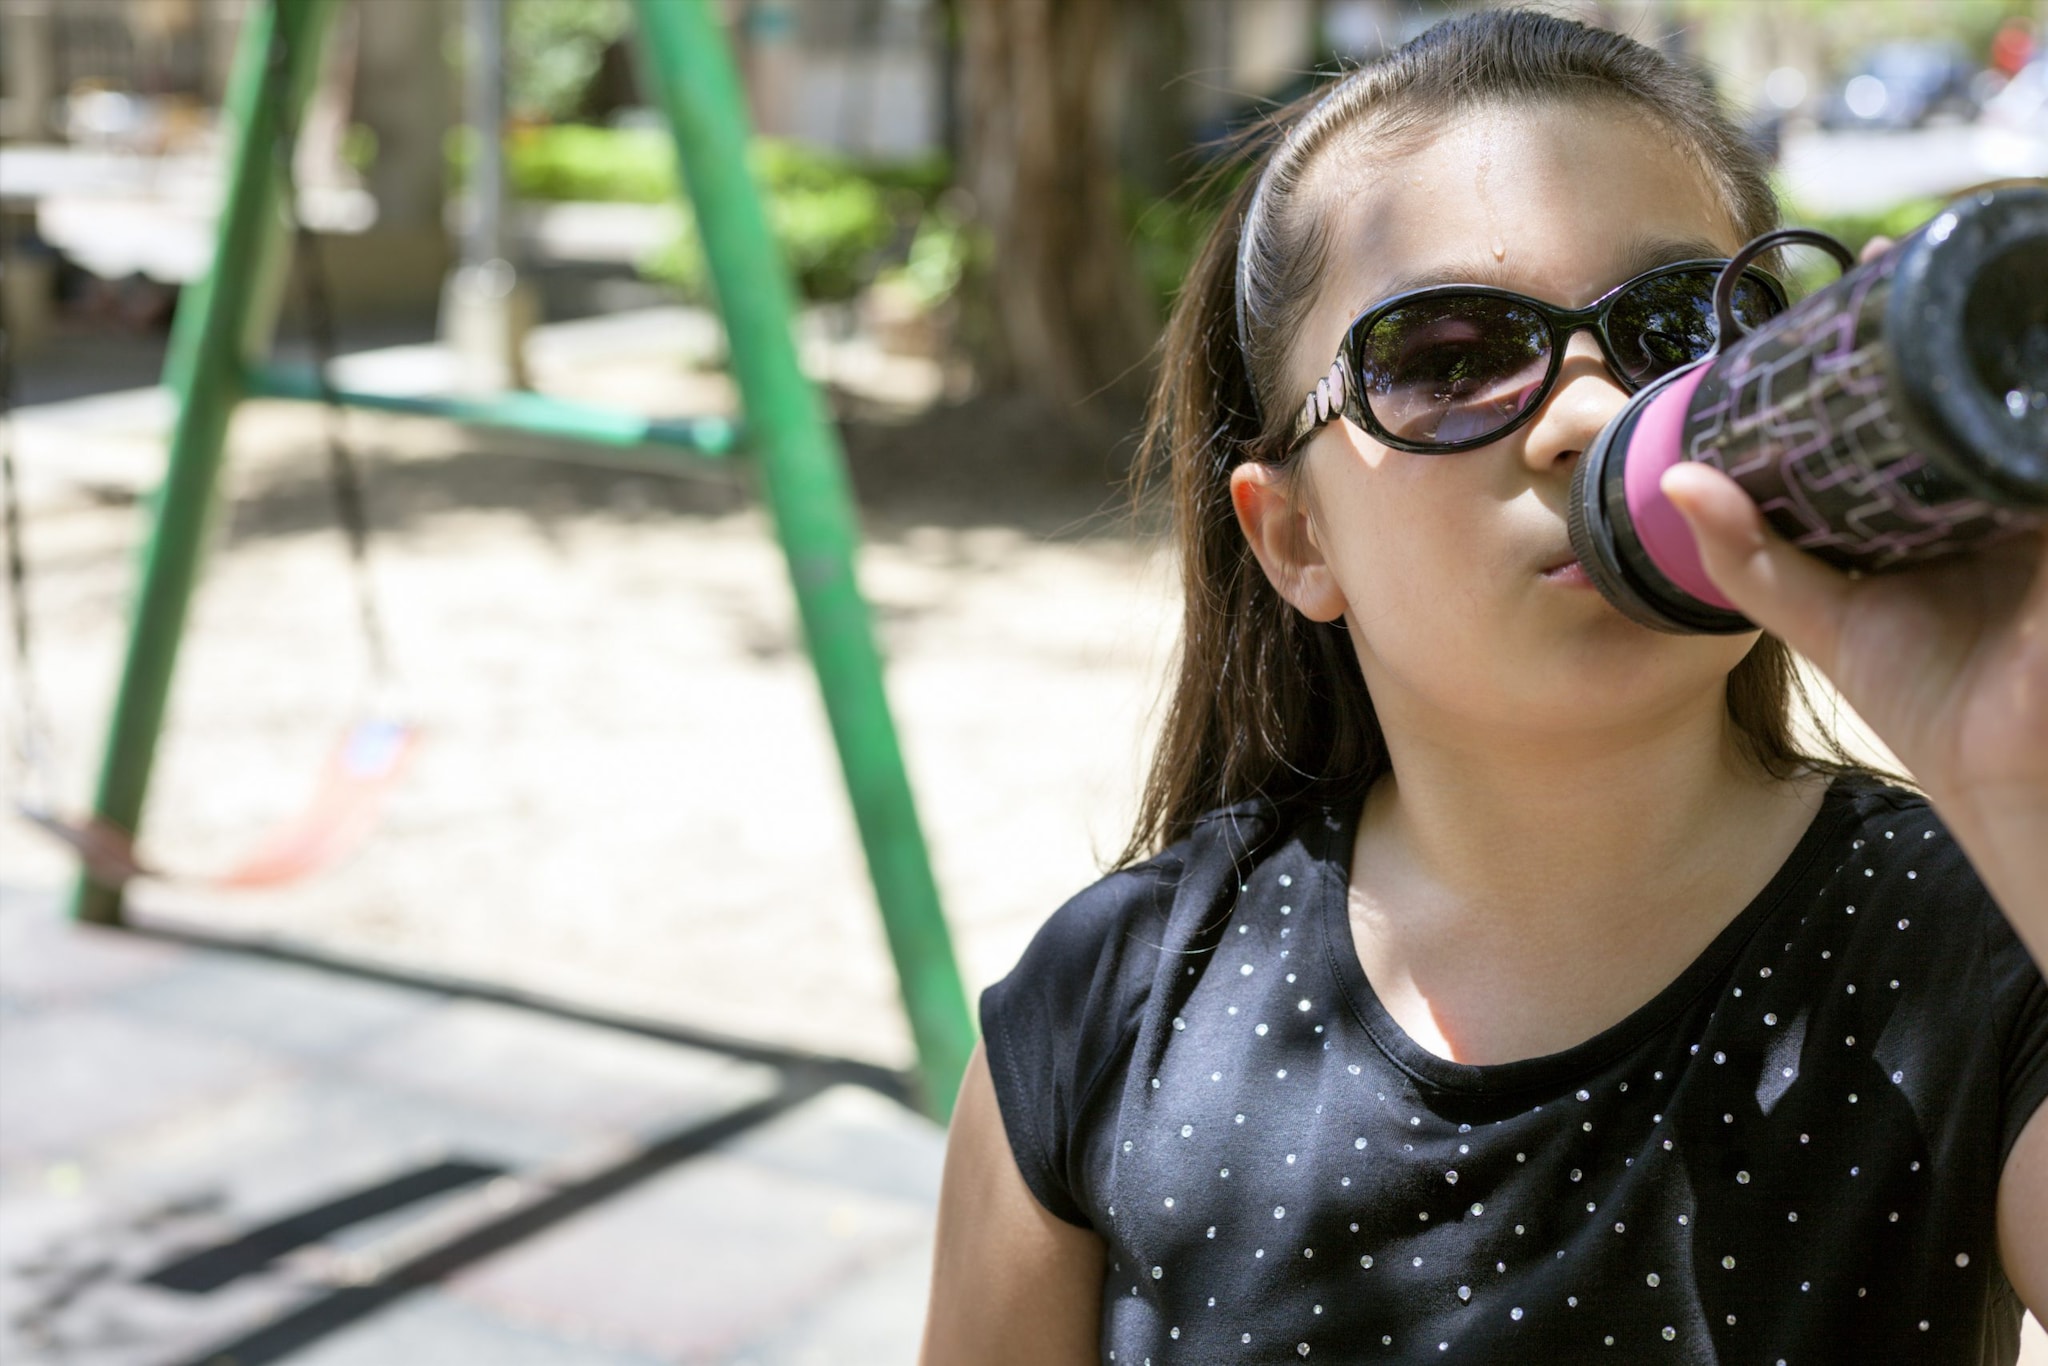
point(1791, 1154)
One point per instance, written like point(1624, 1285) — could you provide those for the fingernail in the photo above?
point(1682, 491)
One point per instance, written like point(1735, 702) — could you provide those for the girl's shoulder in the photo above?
point(1060, 1028)
point(1897, 912)
point(1893, 838)
point(1884, 869)
point(1869, 794)
point(1105, 940)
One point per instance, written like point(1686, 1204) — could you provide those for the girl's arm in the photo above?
point(2023, 1215)
point(1949, 665)
point(1011, 1282)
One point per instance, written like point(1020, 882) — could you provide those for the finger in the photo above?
point(1784, 590)
point(2036, 608)
point(1874, 248)
point(2032, 620)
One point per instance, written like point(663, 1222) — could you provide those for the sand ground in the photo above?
point(626, 793)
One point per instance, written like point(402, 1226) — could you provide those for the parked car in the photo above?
point(1901, 85)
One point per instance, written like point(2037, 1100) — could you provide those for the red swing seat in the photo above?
point(346, 806)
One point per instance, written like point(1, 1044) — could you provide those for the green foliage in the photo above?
point(945, 247)
point(840, 222)
point(553, 48)
point(1165, 234)
point(1855, 229)
point(921, 179)
point(359, 148)
point(1847, 27)
point(834, 219)
point(1809, 270)
point(576, 161)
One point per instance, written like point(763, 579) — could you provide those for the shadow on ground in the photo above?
point(245, 1153)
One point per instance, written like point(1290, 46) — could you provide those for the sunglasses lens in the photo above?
point(1668, 321)
point(1446, 370)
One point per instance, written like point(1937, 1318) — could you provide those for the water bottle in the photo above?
point(1896, 416)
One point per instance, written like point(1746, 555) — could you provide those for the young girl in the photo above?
point(1509, 984)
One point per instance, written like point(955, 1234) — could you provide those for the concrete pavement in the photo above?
point(210, 1156)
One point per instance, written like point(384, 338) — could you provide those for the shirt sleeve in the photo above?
point(1055, 1026)
point(2005, 972)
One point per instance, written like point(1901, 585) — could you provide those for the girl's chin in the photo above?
point(1604, 664)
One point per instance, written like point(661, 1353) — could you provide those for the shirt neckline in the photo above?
point(1547, 1070)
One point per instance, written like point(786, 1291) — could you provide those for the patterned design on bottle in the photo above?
point(1804, 417)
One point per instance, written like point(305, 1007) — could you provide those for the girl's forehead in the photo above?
point(1560, 201)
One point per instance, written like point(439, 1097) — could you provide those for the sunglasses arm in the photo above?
point(1324, 402)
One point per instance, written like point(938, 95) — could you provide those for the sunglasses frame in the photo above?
point(1339, 394)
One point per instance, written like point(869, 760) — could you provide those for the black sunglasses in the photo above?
point(1452, 367)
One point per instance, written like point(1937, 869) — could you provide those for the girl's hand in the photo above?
point(1948, 663)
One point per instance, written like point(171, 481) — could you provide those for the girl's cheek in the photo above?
point(1403, 527)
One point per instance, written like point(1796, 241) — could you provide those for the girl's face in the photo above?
point(1437, 563)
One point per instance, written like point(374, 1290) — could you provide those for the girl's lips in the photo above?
point(1570, 574)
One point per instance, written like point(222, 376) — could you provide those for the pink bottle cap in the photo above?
point(1654, 447)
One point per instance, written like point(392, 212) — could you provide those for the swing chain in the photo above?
point(30, 729)
point(344, 479)
point(105, 851)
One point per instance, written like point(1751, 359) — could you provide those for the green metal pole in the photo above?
point(803, 474)
point(216, 320)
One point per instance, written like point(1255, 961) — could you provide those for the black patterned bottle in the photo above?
point(1898, 415)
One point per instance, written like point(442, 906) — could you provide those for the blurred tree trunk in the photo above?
point(1042, 88)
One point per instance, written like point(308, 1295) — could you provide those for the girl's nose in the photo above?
point(1586, 396)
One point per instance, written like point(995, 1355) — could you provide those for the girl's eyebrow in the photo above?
point(1637, 255)
point(1648, 251)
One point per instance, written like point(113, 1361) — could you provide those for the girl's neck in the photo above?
point(1579, 827)
point(1508, 903)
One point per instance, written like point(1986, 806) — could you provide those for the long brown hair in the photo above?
point(1268, 703)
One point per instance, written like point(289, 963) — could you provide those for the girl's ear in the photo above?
point(1284, 540)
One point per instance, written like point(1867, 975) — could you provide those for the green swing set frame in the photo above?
point(222, 332)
